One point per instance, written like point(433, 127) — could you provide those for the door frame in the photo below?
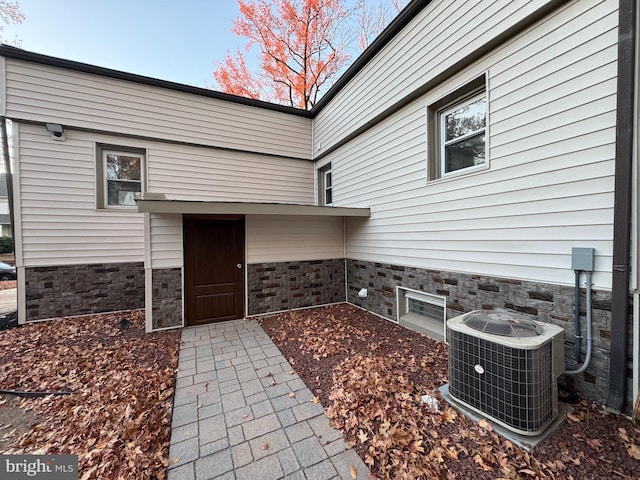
point(214, 217)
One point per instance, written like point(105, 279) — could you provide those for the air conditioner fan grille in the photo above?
point(503, 323)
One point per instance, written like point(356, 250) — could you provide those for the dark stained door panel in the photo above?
point(214, 269)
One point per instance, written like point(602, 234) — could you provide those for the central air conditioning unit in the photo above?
point(505, 367)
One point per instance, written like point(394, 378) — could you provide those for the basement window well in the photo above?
point(422, 312)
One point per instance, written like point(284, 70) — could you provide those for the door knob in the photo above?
point(239, 265)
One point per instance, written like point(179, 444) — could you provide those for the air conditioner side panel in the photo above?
point(513, 386)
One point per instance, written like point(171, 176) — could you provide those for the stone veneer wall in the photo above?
point(286, 285)
point(465, 292)
point(167, 297)
point(70, 290)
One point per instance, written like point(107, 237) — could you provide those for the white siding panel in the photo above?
point(44, 93)
point(58, 195)
point(550, 182)
point(166, 241)
point(190, 173)
point(439, 37)
point(60, 225)
point(293, 238)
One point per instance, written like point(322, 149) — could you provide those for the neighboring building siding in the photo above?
point(550, 183)
point(288, 238)
point(443, 34)
point(44, 93)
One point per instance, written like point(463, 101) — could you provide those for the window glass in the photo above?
point(328, 197)
point(325, 185)
point(464, 135)
point(466, 119)
point(123, 177)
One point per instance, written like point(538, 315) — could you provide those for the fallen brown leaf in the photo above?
point(353, 472)
point(634, 451)
point(118, 418)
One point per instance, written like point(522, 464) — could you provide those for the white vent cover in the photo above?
point(508, 375)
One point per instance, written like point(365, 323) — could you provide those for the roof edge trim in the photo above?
point(397, 24)
point(25, 55)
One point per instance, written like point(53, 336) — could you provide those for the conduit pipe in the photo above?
point(587, 357)
point(576, 319)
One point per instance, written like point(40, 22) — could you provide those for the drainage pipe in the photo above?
point(576, 319)
point(625, 126)
point(587, 357)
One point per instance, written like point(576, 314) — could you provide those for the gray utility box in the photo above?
point(582, 259)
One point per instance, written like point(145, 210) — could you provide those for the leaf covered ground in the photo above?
point(117, 418)
point(370, 374)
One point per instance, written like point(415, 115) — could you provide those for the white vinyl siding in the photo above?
point(293, 238)
point(44, 93)
point(189, 173)
point(62, 226)
point(166, 240)
point(440, 36)
point(550, 184)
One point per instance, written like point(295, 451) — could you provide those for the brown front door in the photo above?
point(214, 268)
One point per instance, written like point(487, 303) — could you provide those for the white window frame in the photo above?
point(442, 115)
point(103, 194)
point(323, 172)
point(470, 90)
point(403, 294)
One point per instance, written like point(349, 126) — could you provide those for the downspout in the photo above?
point(622, 205)
point(8, 174)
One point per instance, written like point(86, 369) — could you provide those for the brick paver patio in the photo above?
point(232, 420)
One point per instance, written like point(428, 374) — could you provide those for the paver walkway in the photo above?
point(234, 418)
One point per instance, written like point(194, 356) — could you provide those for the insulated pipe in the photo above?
point(576, 320)
point(587, 357)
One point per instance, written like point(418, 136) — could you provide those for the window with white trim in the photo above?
point(422, 311)
point(121, 175)
point(325, 185)
point(457, 131)
point(462, 135)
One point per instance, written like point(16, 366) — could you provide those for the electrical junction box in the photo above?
point(582, 259)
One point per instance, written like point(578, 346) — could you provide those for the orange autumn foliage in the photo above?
point(303, 45)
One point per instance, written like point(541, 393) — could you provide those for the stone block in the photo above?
point(213, 465)
point(309, 452)
point(70, 290)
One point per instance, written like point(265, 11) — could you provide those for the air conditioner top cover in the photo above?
point(502, 322)
point(505, 327)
